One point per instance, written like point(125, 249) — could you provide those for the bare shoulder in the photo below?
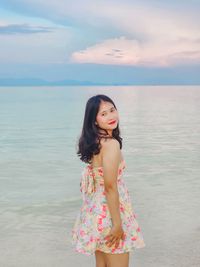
point(109, 143)
point(110, 151)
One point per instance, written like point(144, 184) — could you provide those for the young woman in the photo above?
point(106, 224)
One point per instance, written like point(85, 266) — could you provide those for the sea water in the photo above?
point(40, 172)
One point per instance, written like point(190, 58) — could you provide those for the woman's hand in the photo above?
point(116, 233)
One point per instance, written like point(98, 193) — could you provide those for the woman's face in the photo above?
point(107, 117)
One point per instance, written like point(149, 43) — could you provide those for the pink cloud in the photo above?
point(123, 51)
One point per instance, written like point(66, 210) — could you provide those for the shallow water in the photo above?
point(40, 172)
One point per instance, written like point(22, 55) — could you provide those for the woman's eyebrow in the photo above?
point(106, 110)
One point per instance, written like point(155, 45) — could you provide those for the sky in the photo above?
point(104, 41)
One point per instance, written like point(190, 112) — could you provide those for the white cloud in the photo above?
point(123, 51)
point(113, 51)
point(153, 37)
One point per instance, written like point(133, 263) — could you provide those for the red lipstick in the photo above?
point(112, 122)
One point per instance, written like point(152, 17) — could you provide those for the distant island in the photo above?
point(41, 82)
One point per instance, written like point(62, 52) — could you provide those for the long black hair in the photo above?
point(89, 141)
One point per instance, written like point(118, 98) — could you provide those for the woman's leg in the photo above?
point(117, 260)
point(100, 259)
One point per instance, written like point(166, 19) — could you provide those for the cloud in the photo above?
point(114, 51)
point(142, 18)
point(23, 29)
point(123, 51)
point(121, 32)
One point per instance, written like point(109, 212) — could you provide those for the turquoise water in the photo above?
point(40, 171)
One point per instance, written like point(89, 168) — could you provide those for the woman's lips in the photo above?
point(112, 122)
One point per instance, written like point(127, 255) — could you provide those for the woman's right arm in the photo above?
point(110, 163)
point(111, 158)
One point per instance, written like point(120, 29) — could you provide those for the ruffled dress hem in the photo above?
point(90, 253)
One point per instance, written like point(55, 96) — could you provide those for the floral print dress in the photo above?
point(93, 222)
